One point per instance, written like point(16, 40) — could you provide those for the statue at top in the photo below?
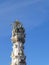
point(18, 30)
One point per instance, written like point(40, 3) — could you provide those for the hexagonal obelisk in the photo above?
point(18, 40)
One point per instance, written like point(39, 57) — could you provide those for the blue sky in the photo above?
point(34, 15)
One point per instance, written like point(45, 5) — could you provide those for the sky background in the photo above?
point(34, 15)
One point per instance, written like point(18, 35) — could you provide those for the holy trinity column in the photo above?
point(18, 39)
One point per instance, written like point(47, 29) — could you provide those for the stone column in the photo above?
point(18, 40)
